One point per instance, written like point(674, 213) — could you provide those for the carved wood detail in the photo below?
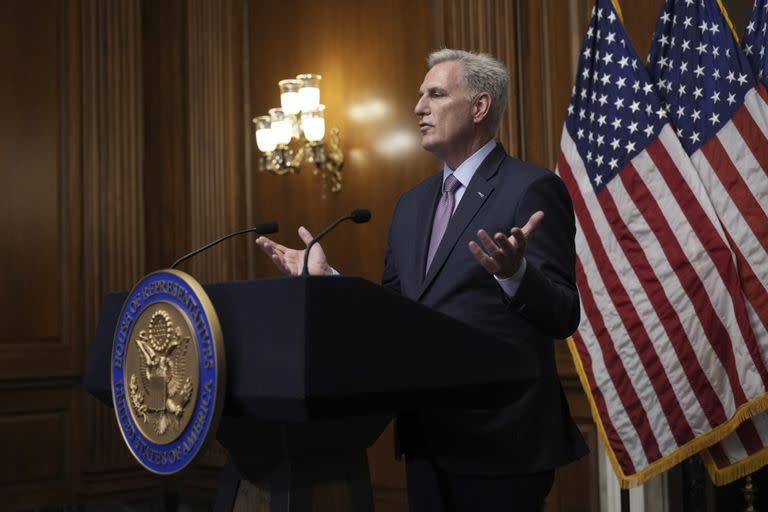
point(113, 222)
point(39, 172)
point(40, 348)
point(166, 158)
point(216, 155)
point(40, 414)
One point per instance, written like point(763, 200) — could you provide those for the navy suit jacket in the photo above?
point(534, 430)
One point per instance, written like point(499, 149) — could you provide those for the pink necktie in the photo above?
point(442, 215)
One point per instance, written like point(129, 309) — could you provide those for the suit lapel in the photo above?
point(478, 191)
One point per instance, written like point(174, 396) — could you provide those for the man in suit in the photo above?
point(518, 283)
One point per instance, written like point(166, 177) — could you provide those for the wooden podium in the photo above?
point(316, 368)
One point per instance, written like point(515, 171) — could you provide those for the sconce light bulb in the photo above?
point(310, 98)
point(283, 131)
point(314, 128)
point(265, 140)
point(291, 102)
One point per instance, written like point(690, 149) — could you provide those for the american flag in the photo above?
point(708, 86)
point(756, 39)
point(661, 348)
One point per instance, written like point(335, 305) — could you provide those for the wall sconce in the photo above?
point(301, 118)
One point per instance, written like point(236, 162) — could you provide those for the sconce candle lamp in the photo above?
point(300, 118)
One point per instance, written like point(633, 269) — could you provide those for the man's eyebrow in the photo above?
point(433, 89)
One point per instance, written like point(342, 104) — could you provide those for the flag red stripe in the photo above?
point(752, 135)
point(762, 91)
point(619, 450)
point(627, 394)
point(746, 203)
point(647, 206)
point(749, 437)
point(721, 258)
point(737, 189)
point(640, 338)
point(718, 454)
point(750, 284)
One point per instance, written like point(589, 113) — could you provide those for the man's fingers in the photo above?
point(266, 245)
point(505, 244)
point(534, 221)
point(269, 246)
point(305, 235)
point(489, 246)
point(519, 239)
point(280, 264)
point(488, 263)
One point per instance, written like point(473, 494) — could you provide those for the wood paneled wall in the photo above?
point(41, 277)
point(217, 131)
point(113, 234)
point(372, 58)
point(126, 141)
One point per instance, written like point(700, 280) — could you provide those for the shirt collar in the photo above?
point(468, 167)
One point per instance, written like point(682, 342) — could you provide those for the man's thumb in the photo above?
point(305, 235)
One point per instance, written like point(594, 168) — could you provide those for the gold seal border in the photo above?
point(218, 353)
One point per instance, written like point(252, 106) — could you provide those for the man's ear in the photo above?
point(481, 107)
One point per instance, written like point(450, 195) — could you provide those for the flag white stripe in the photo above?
point(738, 229)
point(703, 266)
point(691, 177)
point(755, 178)
point(628, 279)
point(758, 109)
point(759, 329)
point(750, 378)
point(675, 293)
point(761, 425)
point(733, 448)
point(617, 414)
point(756, 181)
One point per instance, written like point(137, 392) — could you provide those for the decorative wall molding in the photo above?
point(112, 184)
point(217, 203)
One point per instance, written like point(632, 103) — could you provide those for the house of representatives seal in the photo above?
point(167, 371)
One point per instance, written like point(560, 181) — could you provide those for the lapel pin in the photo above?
point(480, 194)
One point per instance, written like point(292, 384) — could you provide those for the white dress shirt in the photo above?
point(464, 173)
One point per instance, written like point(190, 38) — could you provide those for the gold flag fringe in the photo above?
point(740, 469)
point(754, 407)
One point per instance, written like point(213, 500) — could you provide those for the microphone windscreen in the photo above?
point(266, 228)
point(361, 216)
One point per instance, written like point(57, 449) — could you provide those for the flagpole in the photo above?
point(625, 500)
point(749, 492)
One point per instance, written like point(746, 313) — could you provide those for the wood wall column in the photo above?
point(166, 140)
point(113, 215)
point(215, 155)
point(217, 195)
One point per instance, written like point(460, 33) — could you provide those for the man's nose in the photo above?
point(421, 107)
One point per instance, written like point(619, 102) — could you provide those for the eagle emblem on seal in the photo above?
point(161, 391)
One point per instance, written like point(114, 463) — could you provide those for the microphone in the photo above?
point(357, 216)
point(262, 228)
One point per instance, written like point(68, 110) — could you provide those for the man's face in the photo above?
point(445, 112)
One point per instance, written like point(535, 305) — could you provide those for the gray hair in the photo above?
point(482, 73)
